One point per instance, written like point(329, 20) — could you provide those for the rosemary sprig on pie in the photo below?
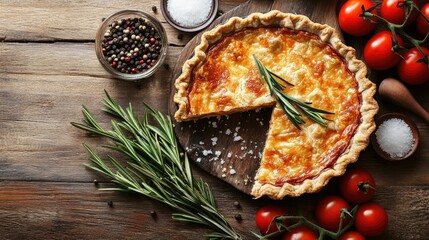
point(289, 104)
point(156, 168)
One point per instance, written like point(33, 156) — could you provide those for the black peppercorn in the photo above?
point(238, 217)
point(154, 9)
point(110, 203)
point(180, 36)
point(153, 214)
point(237, 204)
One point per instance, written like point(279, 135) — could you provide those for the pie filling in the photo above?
point(228, 81)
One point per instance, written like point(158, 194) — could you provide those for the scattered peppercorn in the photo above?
point(131, 45)
point(153, 214)
point(110, 203)
point(166, 66)
point(103, 19)
point(154, 9)
point(95, 182)
point(237, 204)
point(238, 217)
point(180, 36)
point(220, 12)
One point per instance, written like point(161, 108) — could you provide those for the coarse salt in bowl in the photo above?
point(189, 15)
point(137, 64)
point(396, 137)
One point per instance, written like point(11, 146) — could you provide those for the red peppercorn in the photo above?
point(152, 40)
point(129, 28)
point(114, 64)
point(127, 59)
point(153, 60)
point(141, 61)
point(134, 70)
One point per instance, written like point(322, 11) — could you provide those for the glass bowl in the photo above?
point(146, 70)
point(211, 16)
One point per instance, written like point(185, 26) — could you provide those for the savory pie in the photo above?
point(222, 78)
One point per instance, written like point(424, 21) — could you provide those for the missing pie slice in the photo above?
point(222, 78)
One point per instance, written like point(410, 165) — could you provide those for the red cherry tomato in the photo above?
point(352, 235)
point(328, 212)
point(350, 21)
point(422, 25)
point(390, 11)
point(300, 233)
point(266, 215)
point(378, 52)
point(411, 71)
point(357, 186)
point(371, 219)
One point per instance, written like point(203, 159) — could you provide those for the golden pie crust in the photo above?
point(221, 78)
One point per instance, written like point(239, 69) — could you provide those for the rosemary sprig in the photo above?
point(155, 168)
point(287, 103)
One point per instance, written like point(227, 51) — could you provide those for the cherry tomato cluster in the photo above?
point(333, 214)
point(387, 49)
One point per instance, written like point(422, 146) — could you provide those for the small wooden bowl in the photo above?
point(414, 130)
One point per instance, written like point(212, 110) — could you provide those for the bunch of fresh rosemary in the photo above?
point(288, 103)
point(155, 168)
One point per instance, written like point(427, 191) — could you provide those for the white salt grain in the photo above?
point(214, 141)
point(217, 153)
point(189, 13)
point(228, 131)
point(395, 137)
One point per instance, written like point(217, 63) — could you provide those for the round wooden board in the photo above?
point(230, 147)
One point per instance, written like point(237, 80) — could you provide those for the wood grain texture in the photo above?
point(39, 210)
point(48, 69)
point(61, 20)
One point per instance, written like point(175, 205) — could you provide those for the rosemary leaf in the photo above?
point(155, 167)
point(287, 103)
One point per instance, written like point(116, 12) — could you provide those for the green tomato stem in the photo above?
point(398, 28)
point(301, 220)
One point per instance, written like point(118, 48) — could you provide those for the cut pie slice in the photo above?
point(222, 78)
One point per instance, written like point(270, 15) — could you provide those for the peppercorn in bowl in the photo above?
point(131, 45)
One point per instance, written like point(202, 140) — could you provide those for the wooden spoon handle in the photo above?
point(397, 93)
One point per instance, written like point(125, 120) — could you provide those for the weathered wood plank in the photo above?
point(62, 20)
point(79, 211)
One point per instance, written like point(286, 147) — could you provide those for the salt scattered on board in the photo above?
point(189, 13)
point(395, 137)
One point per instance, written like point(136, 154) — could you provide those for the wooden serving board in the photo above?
point(230, 147)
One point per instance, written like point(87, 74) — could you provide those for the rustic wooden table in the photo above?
point(48, 69)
